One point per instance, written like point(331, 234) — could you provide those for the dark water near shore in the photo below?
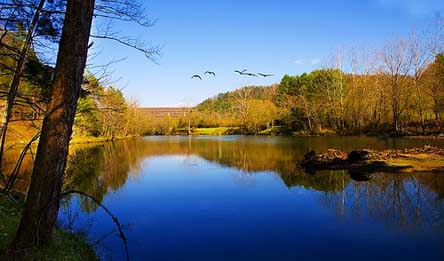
point(244, 198)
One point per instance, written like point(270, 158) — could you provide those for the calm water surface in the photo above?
point(244, 198)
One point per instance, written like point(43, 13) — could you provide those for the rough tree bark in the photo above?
point(13, 89)
point(42, 203)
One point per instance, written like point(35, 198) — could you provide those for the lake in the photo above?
point(244, 198)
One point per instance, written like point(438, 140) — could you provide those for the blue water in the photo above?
point(245, 199)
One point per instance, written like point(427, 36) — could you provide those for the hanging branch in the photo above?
point(124, 10)
point(114, 218)
point(146, 49)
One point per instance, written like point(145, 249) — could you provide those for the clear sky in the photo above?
point(278, 37)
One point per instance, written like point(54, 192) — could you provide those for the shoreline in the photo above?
point(413, 137)
point(230, 131)
point(87, 140)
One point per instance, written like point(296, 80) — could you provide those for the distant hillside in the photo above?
point(224, 102)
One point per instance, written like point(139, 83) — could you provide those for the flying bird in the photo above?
point(241, 72)
point(250, 74)
point(196, 76)
point(210, 73)
point(265, 75)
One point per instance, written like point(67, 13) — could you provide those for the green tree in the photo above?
point(87, 122)
point(112, 109)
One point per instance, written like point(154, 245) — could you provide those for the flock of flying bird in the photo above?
point(243, 73)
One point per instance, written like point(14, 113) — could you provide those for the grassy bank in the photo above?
point(217, 131)
point(20, 133)
point(84, 140)
point(64, 246)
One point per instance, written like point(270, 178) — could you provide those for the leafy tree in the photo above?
point(435, 86)
point(87, 122)
point(112, 107)
point(261, 115)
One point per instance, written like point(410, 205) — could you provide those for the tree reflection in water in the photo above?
point(408, 202)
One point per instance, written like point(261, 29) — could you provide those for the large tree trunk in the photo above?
point(42, 203)
point(13, 89)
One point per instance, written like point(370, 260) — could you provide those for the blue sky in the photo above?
point(279, 37)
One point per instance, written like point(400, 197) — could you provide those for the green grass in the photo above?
point(276, 130)
point(321, 132)
point(100, 139)
point(215, 131)
point(9, 218)
point(64, 246)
